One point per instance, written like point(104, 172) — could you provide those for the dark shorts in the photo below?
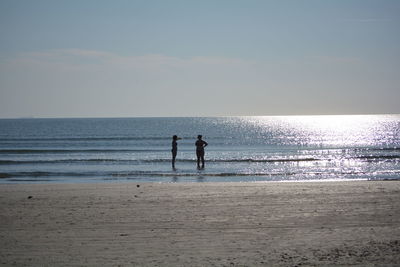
point(200, 153)
point(174, 152)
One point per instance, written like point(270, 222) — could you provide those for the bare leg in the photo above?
point(173, 160)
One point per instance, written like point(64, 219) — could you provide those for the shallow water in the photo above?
point(288, 148)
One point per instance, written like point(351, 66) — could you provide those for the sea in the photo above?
point(240, 149)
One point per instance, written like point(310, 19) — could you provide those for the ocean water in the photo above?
point(287, 148)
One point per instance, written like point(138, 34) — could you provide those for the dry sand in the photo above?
point(209, 224)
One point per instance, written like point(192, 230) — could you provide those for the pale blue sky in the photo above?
point(198, 58)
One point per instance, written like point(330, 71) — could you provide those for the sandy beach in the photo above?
point(201, 224)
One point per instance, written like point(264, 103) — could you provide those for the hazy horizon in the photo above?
point(219, 116)
point(101, 59)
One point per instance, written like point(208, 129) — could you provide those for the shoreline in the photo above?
point(201, 180)
point(201, 224)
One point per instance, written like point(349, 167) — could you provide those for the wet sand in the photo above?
point(201, 224)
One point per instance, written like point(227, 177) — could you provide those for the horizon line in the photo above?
point(200, 116)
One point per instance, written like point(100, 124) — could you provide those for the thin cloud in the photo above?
point(77, 58)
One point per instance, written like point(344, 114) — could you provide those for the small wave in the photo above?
point(78, 161)
point(86, 139)
point(134, 161)
point(135, 174)
point(57, 151)
point(379, 157)
point(196, 174)
point(60, 161)
point(167, 160)
point(21, 180)
point(48, 174)
point(266, 160)
point(36, 175)
point(387, 149)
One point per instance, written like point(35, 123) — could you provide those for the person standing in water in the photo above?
point(174, 149)
point(200, 145)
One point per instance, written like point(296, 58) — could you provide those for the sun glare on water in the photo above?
point(338, 130)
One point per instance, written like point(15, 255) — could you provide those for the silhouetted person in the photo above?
point(200, 145)
point(174, 149)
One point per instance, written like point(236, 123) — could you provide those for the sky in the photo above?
point(134, 58)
